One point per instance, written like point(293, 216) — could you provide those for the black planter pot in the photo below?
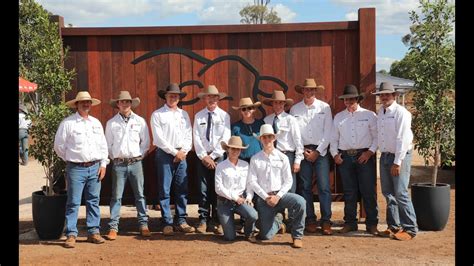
point(49, 214)
point(431, 205)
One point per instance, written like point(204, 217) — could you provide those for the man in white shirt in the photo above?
point(233, 195)
point(288, 136)
point(270, 178)
point(353, 145)
point(128, 140)
point(211, 126)
point(23, 126)
point(395, 143)
point(80, 141)
point(172, 135)
point(315, 121)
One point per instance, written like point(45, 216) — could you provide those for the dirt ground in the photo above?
point(129, 248)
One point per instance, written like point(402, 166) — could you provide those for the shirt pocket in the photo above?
point(135, 130)
point(362, 128)
point(219, 128)
point(77, 137)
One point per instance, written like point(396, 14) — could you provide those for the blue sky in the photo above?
point(392, 18)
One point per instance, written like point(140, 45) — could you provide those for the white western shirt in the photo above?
point(81, 140)
point(357, 130)
point(394, 131)
point(127, 140)
point(231, 180)
point(171, 130)
point(288, 135)
point(269, 173)
point(220, 131)
point(315, 123)
point(23, 122)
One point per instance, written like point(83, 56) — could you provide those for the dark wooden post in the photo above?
point(367, 64)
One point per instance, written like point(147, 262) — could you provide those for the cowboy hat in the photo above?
point(125, 95)
point(211, 90)
point(234, 142)
point(385, 87)
point(277, 96)
point(82, 96)
point(308, 83)
point(350, 91)
point(246, 102)
point(172, 88)
point(266, 129)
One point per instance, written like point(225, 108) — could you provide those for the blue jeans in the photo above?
point(170, 173)
point(305, 186)
point(225, 212)
point(269, 224)
point(207, 197)
point(83, 180)
point(23, 138)
point(357, 178)
point(120, 174)
point(400, 211)
point(291, 158)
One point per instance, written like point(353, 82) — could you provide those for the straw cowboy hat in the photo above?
point(246, 102)
point(22, 108)
point(172, 88)
point(266, 129)
point(234, 142)
point(385, 87)
point(350, 91)
point(124, 95)
point(277, 96)
point(211, 90)
point(82, 96)
point(308, 83)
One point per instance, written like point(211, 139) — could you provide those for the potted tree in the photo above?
point(49, 203)
point(432, 46)
point(41, 60)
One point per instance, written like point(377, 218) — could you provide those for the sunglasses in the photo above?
point(247, 108)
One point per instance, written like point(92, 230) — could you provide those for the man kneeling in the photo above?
point(270, 178)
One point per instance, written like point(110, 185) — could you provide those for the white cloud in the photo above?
point(82, 13)
point(86, 12)
point(384, 63)
point(392, 17)
point(352, 16)
point(221, 12)
point(227, 12)
point(284, 13)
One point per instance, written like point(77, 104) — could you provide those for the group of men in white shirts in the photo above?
point(293, 146)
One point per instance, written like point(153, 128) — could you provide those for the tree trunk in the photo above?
point(437, 162)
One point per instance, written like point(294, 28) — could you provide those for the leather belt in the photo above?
point(286, 152)
point(127, 160)
point(223, 199)
point(85, 164)
point(272, 193)
point(311, 147)
point(353, 152)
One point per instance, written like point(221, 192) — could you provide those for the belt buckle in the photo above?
point(351, 152)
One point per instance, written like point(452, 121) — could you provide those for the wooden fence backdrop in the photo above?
point(334, 53)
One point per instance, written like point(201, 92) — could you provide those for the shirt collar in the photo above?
point(392, 107)
point(78, 117)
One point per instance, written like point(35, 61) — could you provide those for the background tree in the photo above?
point(405, 67)
point(259, 13)
point(41, 60)
point(41, 54)
point(432, 48)
point(382, 71)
